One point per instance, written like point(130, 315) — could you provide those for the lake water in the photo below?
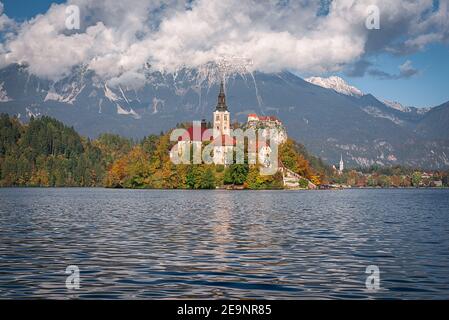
point(147, 244)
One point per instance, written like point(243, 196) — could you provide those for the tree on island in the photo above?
point(236, 174)
point(416, 179)
point(208, 179)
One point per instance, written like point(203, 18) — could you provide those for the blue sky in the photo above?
point(25, 9)
point(428, 86)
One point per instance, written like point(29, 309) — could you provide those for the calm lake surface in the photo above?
point(146, 244)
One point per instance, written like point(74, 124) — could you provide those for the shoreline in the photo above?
point(227, 189)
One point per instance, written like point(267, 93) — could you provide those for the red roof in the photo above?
point(194, 133)
point(264, 118)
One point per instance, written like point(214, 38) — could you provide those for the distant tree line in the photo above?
point(388, 177)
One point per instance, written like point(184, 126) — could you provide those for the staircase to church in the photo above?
point(291, 179)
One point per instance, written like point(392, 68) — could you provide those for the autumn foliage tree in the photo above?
point(296, 161)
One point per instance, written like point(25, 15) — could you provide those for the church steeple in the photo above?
point(221, 106)
point(221, 115)
point(342, 165)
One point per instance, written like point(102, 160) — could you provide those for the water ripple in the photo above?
point(141, 244)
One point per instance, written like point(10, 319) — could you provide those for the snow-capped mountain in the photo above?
point(396, 105)
point(341, 86)
point(329, 123)
point(337, 84)
point(400, 107)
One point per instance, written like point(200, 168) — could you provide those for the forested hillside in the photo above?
point(47, 153)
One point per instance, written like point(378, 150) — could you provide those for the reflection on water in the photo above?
point(141, 244)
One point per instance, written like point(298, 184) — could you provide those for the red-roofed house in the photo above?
point(253, 117)
point(195, 132)
point(267, 120)
point(193, 136)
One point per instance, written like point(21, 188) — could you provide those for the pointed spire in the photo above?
point(222, 88)
point(341, 167)
point(221, 106)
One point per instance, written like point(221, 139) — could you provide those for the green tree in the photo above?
point(10, 132)
point(208, 179)
point(303, 183)
point(416, 179)
point(238, 173)
point(194, 177)
point(384, 181)
point(256, 181)
point(446, 179)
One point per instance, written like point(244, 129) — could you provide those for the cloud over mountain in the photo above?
point(406, 70)
point(118, 39)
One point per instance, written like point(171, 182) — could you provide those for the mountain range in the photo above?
point(330, 117)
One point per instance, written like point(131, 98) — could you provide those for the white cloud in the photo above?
point(407, 70)
point(118, 38)
point(5, 22)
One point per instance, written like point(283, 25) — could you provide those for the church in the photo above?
point(220, 136)
point(223, 142)
point(341, 166)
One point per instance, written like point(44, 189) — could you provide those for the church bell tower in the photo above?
point(221, 115)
